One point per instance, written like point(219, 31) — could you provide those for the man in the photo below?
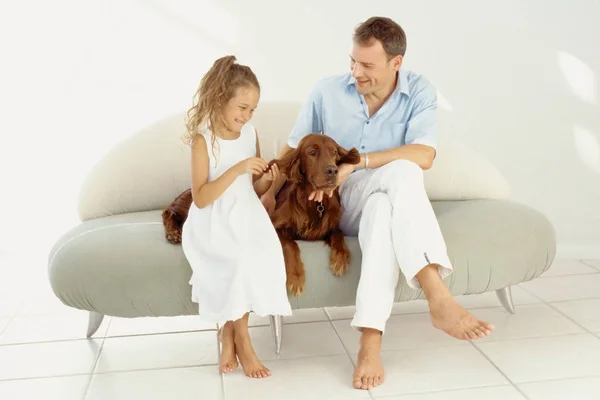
point(388, 114)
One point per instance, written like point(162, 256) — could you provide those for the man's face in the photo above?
point(371, 68)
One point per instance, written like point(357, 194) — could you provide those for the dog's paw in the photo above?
point(295, 284)
point(339, 262)
point(173, 236)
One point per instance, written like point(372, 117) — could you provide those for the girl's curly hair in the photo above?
point(216, 88)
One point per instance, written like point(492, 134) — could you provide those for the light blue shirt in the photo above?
point(335, 108)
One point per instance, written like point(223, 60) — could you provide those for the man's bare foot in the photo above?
point(446, 314)
point(245, 352)
point(369, 371)
point(450, 317)
point(228, 362)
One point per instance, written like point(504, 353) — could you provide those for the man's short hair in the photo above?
point(389, 33)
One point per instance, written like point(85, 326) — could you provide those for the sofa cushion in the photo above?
point(148, 170)
point(122, 265)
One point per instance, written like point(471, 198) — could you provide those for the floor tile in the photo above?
point(298, 316)
point(46, 304)
point(153, 325)
point(298, 379)
point(62, 388)
point(401, 332)
point(299, 340)
point(593, 263)
point(562, 288)
point(8, 308)
point(177, 383)
point(48, 328)
point(568, 267)
point(534, 320)
point(48, 359)
point(585, 312)
point(3, 324)
point(486, 393)
point(554, 357)
point(435, 369)
point(565, 389)
point(158, 351)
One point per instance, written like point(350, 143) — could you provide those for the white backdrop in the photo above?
point(518, 80)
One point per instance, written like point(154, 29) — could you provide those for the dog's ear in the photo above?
point(290, 165)
point(348, 157)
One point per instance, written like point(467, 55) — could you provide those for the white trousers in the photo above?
point(388, 209)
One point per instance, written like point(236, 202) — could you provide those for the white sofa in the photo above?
point(117, 261)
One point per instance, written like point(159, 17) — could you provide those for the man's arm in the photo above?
point(420, 154)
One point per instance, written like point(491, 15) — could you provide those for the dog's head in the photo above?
point(315, 161)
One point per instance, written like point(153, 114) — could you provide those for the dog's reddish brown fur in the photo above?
point(312, 165)
point(298, 218)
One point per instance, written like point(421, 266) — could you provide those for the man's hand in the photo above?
point(344, 171)
point(268, 201)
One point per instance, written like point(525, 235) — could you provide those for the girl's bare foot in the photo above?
point(228, 362)
point(252, 366)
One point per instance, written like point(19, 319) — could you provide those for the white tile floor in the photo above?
point(550, 349)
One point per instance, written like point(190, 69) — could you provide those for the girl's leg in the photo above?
point(245, 352)
point(228, 362)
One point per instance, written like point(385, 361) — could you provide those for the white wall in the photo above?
point(520, 79)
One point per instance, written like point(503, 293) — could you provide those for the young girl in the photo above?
point(228, 238)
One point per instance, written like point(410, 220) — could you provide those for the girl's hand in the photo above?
point(272, 174)
point(252, 165)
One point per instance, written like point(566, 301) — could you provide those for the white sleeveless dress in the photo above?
point(231, 245)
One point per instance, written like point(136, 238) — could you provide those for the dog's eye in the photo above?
point(313, 152)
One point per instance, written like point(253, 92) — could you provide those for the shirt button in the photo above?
point(368, 122)
point(362, 147)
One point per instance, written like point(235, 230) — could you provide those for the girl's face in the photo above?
point(239, 109)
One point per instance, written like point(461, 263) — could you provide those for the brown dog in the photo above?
point(311, 166)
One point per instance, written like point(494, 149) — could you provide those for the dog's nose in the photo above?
point(331, 171)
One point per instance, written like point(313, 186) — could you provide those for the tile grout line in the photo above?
point(589, 265)
point(87, 388)
point(518, 389)
point(549, 304)
point(561, 379)
point(10, 320)
point(106, 337)
point(594, 272)
point(570, 319)
point(222, 375)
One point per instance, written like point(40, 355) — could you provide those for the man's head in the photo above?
point(378, 48)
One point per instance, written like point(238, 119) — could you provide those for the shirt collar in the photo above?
point(401, 83)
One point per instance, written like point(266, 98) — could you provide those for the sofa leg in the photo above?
point(505, 297)
point(277, 329)
point(94, 322)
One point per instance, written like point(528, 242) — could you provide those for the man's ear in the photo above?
point(290, 165)
point(348, 157)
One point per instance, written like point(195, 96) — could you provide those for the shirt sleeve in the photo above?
point(421, 127)
point(310, 118)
